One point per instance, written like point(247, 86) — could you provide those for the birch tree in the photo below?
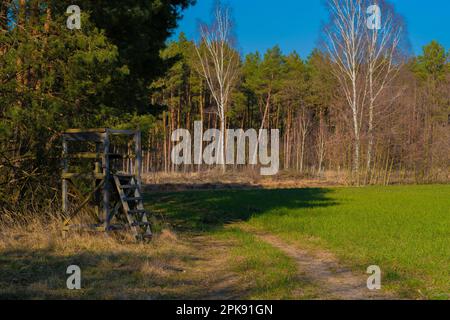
point(383, 61)
point(219, 65)
point(345, 43)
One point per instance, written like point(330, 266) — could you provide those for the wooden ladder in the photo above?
point(133, 206)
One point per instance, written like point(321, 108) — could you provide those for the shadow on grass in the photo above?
point(153, 274)
point(199, 211)
point(41, 274)
point(196, 186)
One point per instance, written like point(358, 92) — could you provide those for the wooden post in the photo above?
point(65, 184)
point(138, 154)
point(107, 185)
point(129, 160)
point(97, 182)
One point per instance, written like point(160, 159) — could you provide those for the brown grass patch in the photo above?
point(34, 259)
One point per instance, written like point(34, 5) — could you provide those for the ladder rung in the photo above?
point(141, 224)
point(84, 155)
point(124, 175)
point(133, 199)
point(129, 186)
point(136, 211)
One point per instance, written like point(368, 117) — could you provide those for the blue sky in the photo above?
point(296, 24)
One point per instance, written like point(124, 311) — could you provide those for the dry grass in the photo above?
point(249, 178)
point(226, 265)
point(34, 259)
point(244, 179)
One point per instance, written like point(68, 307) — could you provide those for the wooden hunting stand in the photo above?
point(113, 178)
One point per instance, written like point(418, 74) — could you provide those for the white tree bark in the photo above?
point(364, 61)
point(219, 65)
point(382, 49)
point(345, 45)
point(305, 126)
point(321, 140)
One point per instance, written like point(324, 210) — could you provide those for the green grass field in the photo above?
point(404, 230)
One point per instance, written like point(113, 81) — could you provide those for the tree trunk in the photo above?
point(321, 143)
point(222, 140)
point(263, 122)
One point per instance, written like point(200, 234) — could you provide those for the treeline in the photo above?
point(53, 78)
point(303, 98)
point(118, 71)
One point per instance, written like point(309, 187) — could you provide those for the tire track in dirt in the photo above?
point(323, 269)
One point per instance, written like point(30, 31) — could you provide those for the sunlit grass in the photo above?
point(269, 272)
point(405, 229)
point(213, 252)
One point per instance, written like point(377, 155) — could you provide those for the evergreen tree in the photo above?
point(139, 29)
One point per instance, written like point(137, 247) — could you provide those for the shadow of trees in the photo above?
point(199, 211)
point(41, 274)
point(154, 273)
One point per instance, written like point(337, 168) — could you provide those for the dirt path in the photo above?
point(323, 269)
point(211, 272)
point(214, 281)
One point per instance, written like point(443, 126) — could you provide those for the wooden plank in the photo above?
point(121, 132)
point(83, 155)
point(138, 153)
point(65, 185)
point(71, 175)
point(114, 212)
point(95, 130)
point(84, 137)
point(128, 186)
point(124, 176)
point(97, 171)
point(134, 199)
point(114, 132)
point(141, 224)
point(93, 155)
point(137, 211)
point(106, 188)
point(125, 205)
point(148, 234)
